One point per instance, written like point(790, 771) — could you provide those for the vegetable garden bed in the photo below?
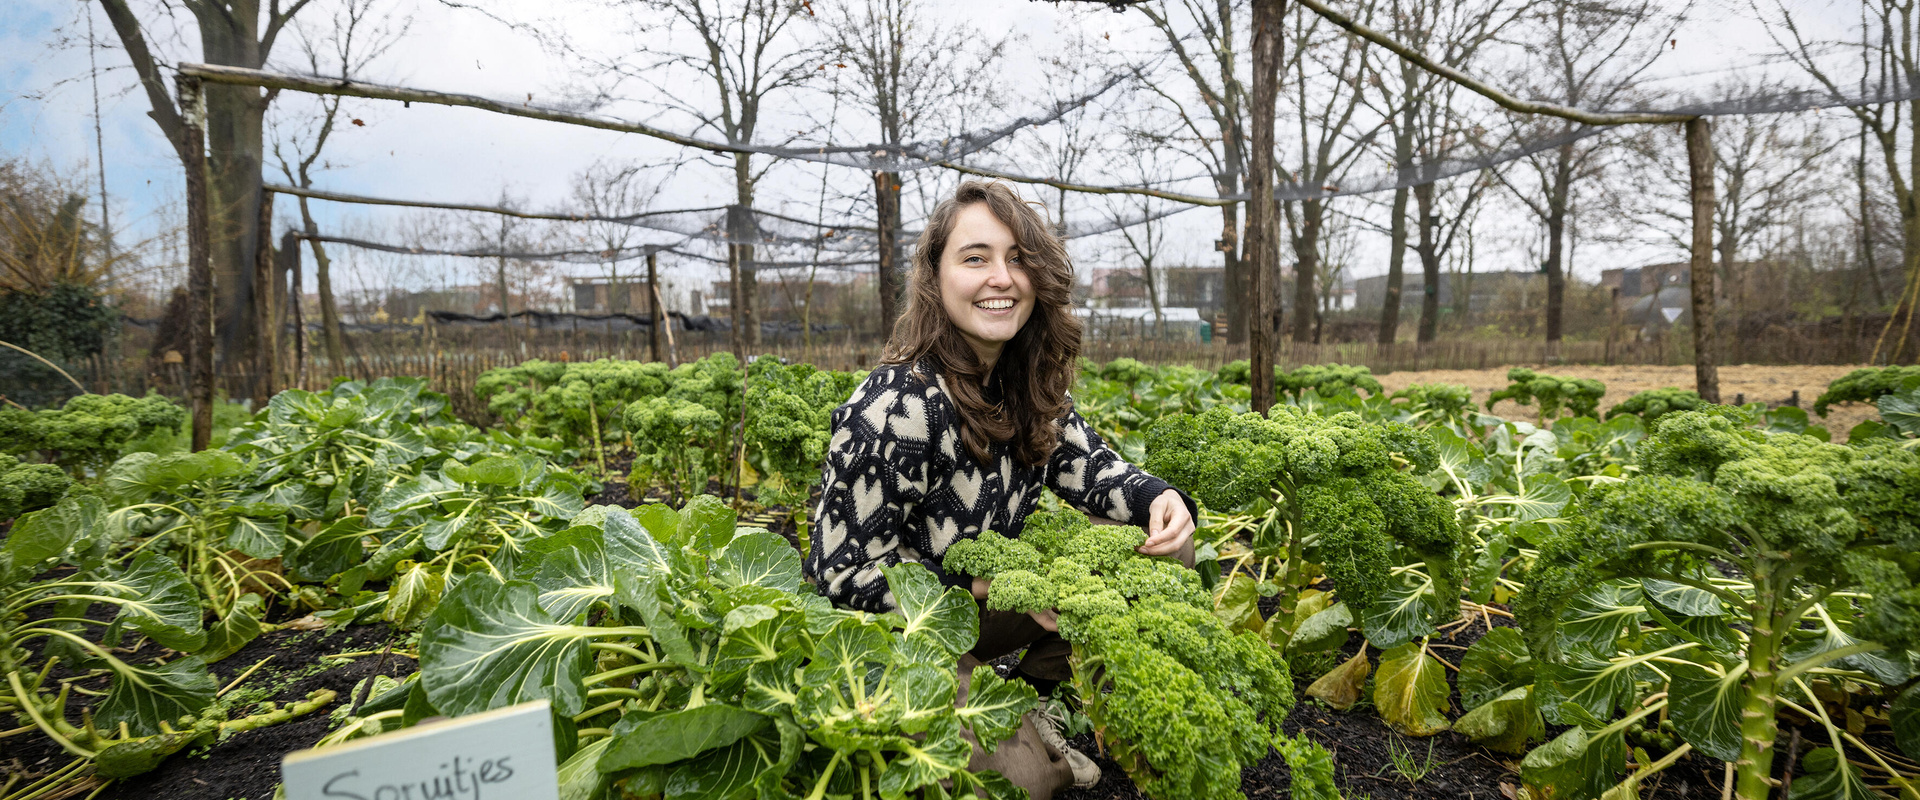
point(1692, 584)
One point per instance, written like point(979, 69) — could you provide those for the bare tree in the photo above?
point(744, 52)
point(1594, 55)
point(614, 190)
point(1081, 136)
point(238, 33)
point(1889, 57)
point(1767, 171)
point(1144, 235)
point(1426, 124)
point(1201, 36)
point(1327, 93)
point(343, 46)
point(912, 73)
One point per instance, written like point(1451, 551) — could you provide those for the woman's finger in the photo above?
point(1162, 519)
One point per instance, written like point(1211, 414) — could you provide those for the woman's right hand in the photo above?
point(980, 587)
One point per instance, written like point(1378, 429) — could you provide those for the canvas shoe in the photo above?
point(1085, 773)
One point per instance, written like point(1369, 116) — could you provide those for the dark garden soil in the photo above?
point(247, 764)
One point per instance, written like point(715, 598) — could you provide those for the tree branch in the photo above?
point(1476, 86)
point(158, 95)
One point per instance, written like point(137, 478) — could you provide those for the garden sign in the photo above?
point(505, 754)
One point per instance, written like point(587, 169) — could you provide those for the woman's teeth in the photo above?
point(995, 304)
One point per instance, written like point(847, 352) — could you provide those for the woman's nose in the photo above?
point(999, 276)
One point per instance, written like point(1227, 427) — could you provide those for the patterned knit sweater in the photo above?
point(899, 485)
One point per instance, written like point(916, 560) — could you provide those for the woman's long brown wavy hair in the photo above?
point(1034, 369)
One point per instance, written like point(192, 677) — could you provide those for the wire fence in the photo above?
point(453, 358)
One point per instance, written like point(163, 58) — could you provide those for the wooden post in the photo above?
point(673, 355)
point(886, 201)
point(193, 150)
point(290, 250)
point(1706, 374)
point(1613, 322)
point(1263, 244)
point(656, 339)
point(266, 341)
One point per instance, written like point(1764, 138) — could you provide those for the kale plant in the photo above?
point(1179, 700)
point(29, 487)
point(88, 433)
point(789, 420)
point(1555, 394)
point(1653, 404)
point(1339, 498)
point(1761, 559)
point(1865, 386)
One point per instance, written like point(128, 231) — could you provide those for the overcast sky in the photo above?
point(430, 152)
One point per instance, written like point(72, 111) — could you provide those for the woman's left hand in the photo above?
point(1169, 526)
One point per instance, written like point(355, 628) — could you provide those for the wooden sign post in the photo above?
point(505, 753)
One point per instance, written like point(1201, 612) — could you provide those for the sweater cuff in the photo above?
point(1140, 501)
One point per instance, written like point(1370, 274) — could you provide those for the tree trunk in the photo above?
point(1396, 266)
point(286, 264)
point(1153, 298)
point(235, 122)
point(1556, 240)
point(500, 285)
point(1397, 236)
point(330, 337)
point(1429, 251)
point(657, 333)
point(1706, 376)
point(234, 142)
point(1263, 252)
point(1306, 253)
point(199, 263)
point(231, 126)
point(736, 333)
point(1234, 281)
point(886, 200)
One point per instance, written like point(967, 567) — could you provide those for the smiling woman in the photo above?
point(960, 431)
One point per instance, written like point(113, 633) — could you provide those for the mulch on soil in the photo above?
point(246, 765)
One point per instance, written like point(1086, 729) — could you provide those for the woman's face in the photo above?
point(983, 285)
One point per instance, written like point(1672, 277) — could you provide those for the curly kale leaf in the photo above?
point(1326, 379)
point(1554, 393)
point(29, 487)
point(1173, 682)
point(1653, 404)
point(1865, 386)
point(90, 431)
point(790, 422)
point(1336, 478)
point(1435, 400)
point(991, 555)
point(1176, 673)
point(1841, 518)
